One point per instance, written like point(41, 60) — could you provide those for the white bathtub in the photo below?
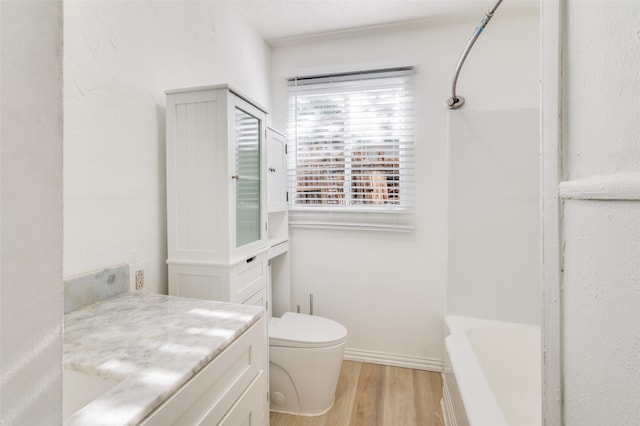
point(492, 373)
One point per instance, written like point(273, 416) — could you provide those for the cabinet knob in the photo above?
point(271, 169)
point(236, 177)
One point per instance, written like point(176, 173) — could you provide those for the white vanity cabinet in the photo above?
point(230, 390)
point(216, 194)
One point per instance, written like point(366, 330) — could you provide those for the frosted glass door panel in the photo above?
point(248, 182)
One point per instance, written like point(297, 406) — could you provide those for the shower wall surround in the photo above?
point(494, 234)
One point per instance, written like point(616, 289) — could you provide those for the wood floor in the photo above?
point(377, 395)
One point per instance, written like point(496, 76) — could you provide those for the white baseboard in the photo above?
point(394, 360)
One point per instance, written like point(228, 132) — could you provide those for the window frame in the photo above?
point(367, 214)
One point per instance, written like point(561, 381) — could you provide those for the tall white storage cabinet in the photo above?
point(216, 192)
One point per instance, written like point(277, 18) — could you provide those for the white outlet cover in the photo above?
point(133, 267)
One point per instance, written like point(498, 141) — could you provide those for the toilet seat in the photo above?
point(294, 330)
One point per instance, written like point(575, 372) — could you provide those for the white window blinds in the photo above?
point(351, 151)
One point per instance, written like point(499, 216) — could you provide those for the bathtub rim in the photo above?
point(479, 401)
point(460, 324)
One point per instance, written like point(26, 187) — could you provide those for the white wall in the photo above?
point(400, 310)
point(119, 58)
point(600, 219)
point(31, 213)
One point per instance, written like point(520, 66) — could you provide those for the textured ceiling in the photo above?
point(281, 19)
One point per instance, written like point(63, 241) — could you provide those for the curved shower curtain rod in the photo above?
point(455, 101)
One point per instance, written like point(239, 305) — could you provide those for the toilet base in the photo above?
point(275, 410)
point(304, 381)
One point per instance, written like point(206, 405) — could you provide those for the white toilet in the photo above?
point(305, 356)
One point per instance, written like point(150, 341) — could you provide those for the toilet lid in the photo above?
point(305, 331)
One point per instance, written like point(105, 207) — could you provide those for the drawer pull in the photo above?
point(251, 259)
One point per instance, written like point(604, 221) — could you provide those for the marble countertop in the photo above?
point(153, 343)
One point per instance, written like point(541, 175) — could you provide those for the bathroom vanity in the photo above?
point(161, 360)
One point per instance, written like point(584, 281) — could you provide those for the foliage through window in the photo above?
point(352, 141)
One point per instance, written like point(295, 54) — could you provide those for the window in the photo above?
point(351, 150)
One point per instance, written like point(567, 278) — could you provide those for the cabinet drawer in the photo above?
point(249, 410)
point(257, 299)
point(260, 299)
point(247, 277)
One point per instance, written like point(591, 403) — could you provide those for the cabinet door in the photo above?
point(198, 172)
point(250, 211)
point(276, 171)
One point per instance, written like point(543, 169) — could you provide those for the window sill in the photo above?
point(396, 220)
